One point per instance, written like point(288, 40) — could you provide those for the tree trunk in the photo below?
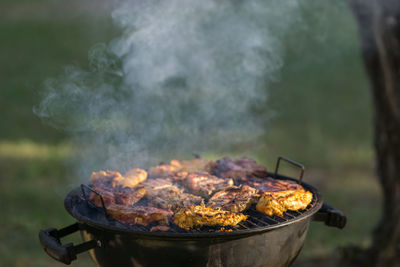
point(379, 28)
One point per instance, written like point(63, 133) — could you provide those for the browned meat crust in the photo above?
point(196, 216)
point(106, 193)
point(128, 196)
point(130, 179)
point(239, 169)
point(175, 199)
point(162, 193)
point(204, 184)
point(277, 203)
point(272, 185)
point(117, 189)
point(154, 185)
point(234, 199)
point(175, 166)
point(104, 177)
point(123, 196)
point(142, 215)
point(163, 170)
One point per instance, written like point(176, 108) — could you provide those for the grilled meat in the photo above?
point(277, 203)
point(196, 216)
point(204, 184)
point(182, 187)
point(117, 189)
point(163, 170)
point(131, 178)
point(238, 169)
point(174, 199)
point(142, 215)
point(128, 196)
point(272, 185)
point(123, 196)
point(156, 184)
point(234, 199)
point(175, 166)
point(105, 192)
point(104, 177)
point(162, 193)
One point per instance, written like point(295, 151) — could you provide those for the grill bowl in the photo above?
point(260, 241)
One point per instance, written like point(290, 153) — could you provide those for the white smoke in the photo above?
point(182, 78)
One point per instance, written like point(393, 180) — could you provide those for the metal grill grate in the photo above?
point(78, 205)
point(255, 219)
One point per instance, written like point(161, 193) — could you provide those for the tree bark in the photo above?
point(379, 28)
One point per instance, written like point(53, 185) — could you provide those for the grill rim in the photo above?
point(75, 195)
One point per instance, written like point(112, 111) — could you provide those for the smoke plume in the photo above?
point(184, 77)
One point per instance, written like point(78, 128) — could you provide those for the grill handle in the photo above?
point(301, 166)
point(50, 241)
point(331, 216)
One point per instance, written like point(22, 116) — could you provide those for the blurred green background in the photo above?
point(321, 102)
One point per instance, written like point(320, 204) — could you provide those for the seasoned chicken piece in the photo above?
point(196, 216)
point(163, 170)
point(130, 179)
point(204, 184)
point(238, 169)
point(162, 193)
point(142, 215)
point(104, 177)
point(128, 196)
point(234, 199)
point(277, 203)
point(272, 185)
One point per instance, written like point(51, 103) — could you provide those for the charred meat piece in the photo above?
point(130, 179)
point(234, 199)
point(128, 196)
point(162, 193)
point(204, 184)
point(238, 169)
point(272, 185)
point(276, 203)
point(142, 215)
point(196, 216)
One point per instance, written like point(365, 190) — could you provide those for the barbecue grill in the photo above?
point(261, 240)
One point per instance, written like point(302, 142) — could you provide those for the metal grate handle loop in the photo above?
point(301, 166)
point(83, 186)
